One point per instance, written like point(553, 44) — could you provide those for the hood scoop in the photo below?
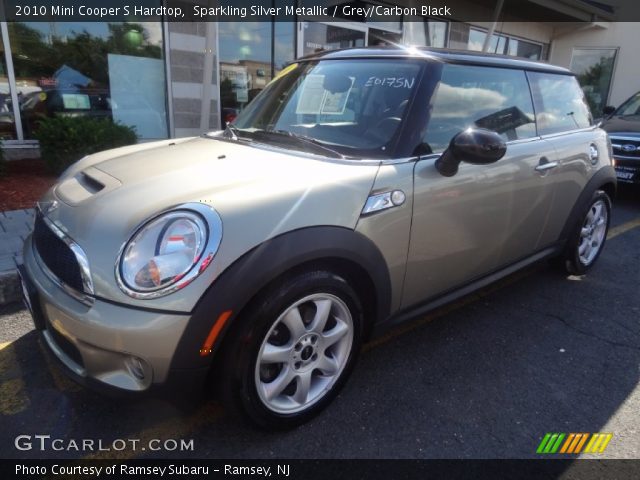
point(84, 185)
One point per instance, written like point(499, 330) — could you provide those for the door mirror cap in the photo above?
point(608, 110)
point(476, 146)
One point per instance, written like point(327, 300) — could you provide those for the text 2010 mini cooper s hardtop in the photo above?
point(359, 189)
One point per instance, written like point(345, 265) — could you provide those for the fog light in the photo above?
point(136, 367)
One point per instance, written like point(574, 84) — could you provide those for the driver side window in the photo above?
point(496, 99)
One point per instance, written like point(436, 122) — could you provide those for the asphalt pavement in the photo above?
point(487, 377)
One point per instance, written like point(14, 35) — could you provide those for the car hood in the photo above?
point(258, 192)
point(627, 124)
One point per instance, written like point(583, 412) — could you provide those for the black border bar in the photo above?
point(567, 469)
point(319, 10)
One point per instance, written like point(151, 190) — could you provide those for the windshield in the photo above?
point(630, 107)
point(350, 108)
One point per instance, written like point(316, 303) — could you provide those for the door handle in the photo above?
point(545, 165)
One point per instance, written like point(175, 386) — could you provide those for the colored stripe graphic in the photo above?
point(598, 443)
point(578, 448)
point(556, 443)
point(543, 443)
point(568, 443)
point(550, 443)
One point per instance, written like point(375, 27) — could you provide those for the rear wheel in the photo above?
point(293, 350)
point(590, 235)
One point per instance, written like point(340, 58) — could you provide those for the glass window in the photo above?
point(251, 54)
point(7, 120)
point(284, 41)
point(477, 38)
point(459, 35)
point(466, 38)
point(594, 68)
point(630, 107)
point(497, 99)
point(560, 103)
point(428, 33)
point(319, 37)
point(520, 48)
point(245, 64)
point(354, 108)
point(103, 70)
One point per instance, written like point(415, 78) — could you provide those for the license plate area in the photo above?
point(625, 175)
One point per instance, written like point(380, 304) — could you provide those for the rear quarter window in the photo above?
point(560, 103)
point(497, 99)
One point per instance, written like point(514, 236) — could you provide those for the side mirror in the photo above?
point(608, 110)
point(476, 146)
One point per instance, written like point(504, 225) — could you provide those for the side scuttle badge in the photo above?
point(382, 201)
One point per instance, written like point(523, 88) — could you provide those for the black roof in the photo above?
point(437, 54)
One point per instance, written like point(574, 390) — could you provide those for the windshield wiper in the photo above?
point(305, 139)
point(232, 130)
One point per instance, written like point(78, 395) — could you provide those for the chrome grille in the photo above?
point(57, 255)
point(626, 147)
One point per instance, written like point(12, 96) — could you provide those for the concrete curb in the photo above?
point(15, 226)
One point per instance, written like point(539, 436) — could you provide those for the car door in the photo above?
point(564, 121)
point(486, 216)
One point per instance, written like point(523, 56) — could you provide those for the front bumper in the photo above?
point(103, 345)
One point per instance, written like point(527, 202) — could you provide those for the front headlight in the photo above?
point(168, 252)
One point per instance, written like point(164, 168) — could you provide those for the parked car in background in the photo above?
point(623, 126)
point(36, 106)
point(361, 188)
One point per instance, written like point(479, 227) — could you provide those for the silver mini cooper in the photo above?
point(361, 188)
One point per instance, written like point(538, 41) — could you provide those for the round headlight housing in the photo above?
point(163, 252)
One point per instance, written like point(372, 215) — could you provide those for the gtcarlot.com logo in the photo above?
point(574, 443)
point(47, 443)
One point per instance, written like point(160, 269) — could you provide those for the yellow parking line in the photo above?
point(13, 396)
point(625, 227)
point(4, 345)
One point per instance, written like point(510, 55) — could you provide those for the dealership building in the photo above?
point(175, 79)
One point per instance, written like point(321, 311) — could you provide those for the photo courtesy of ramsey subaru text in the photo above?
point(361, 188)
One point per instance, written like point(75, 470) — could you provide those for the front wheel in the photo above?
point(294, 349)
point(590, 235)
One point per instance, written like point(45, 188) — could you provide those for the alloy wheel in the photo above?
point(304, 353)
point(593, 233)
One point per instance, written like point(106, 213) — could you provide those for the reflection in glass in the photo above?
point(319, 37)
point(630, 107)
point(594, 68)
point(428, 33)
point(105, 70)
point(7, 122)
point(477, 38)
point(564, 107)
point(493, 98)
point(354, 108)
point(251, 54)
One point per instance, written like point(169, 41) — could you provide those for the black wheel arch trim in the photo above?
point(238, 284)
point(604, 176)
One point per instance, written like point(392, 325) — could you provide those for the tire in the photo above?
point(292, 350)
point(588, 238)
